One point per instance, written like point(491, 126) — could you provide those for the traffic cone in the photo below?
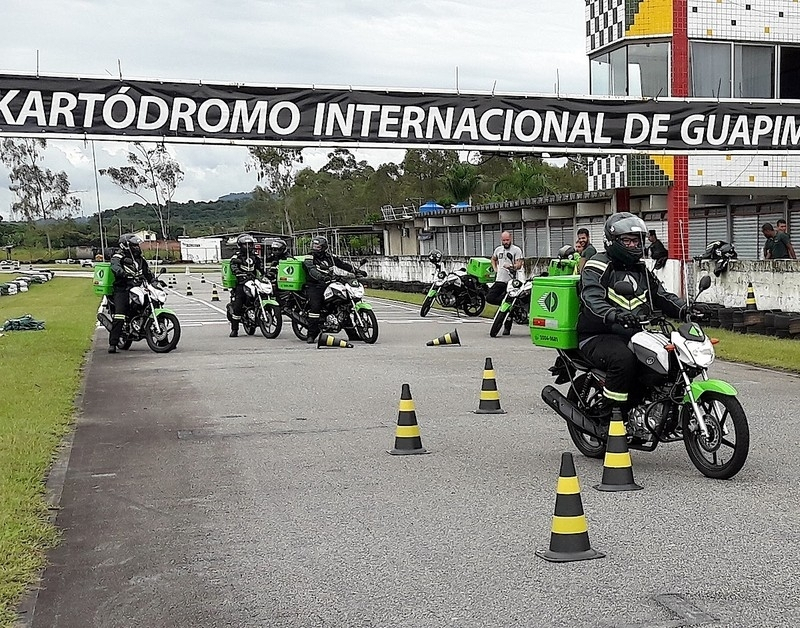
point(617, 470)
point(214, 293)
point(326, 340)
point(406, 437)
point(490, 397)
point(569, 539)
point(188, 289)
point(202, 278)
point(450, 338)
point(750, 301)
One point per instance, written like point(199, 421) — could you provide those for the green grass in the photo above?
point(765, 351)
point(41, 376)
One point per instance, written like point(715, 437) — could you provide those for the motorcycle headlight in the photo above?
point(160, 295)
point(357, 291)
point(516, 283)
point(703, 353)
point(441, 274)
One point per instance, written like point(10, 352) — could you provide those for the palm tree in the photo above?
point(462, 181)
point(526, 180)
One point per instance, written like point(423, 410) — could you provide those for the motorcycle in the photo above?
point(148, 319)
point(261, 310)
point(516, 304)
point(343, 309)
point(720, 254)
point(669, 404)
point(457, 289)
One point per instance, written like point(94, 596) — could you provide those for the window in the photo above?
point(619, 72)
point(600, 76)
point(710, 68)
point(648, 69)
point(790, 72)
point(753, 71)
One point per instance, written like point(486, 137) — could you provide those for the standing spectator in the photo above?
point(657, 250)
point(781, 226)
point(778, 244)
point(506, 261)
point(584, 247)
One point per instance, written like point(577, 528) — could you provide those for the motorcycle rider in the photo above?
point(274, 253)
point(607, 320)
point(506, 260)
point(245, 265)
point(129, 268)
point(319, 272)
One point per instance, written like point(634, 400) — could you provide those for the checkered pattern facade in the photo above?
point(776, 21)
point(608, 173)
point(605, 23)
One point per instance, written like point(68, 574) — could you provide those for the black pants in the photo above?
point(237, 304)
point(610, 352)
point(121, 303)
point(496, 292)
point(316, 297)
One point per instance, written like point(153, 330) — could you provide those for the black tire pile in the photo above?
point(761, 322)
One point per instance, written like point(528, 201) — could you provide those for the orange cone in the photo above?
point(407, 439)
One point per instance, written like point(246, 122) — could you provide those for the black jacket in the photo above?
point(319, 269)
point(245, 268)
point(129, 271)
point(598, 299)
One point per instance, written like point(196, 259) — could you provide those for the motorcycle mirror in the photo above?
point(363, 261)
point(162, 270)
point(623, 288)
point(705, 284)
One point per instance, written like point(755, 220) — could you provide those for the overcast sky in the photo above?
point(533, 46)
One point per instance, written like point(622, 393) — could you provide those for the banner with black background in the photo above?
point(97, 108)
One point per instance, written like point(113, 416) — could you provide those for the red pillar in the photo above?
point(678, 195)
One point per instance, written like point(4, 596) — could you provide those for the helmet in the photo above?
point(319, 246)
point(131, 243)
point(278, 248)
point(624, 224)
point(566, 251)
point(435, 256)
point(246, 243)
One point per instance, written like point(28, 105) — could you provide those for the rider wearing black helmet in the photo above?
point(245, 265)
point(130, 269)
point(319, 272)
point(274, 251)
point(607, 320)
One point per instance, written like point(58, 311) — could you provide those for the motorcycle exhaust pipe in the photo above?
point(570, 412)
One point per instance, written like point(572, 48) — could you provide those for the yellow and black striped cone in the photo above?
point(617, 470)
point(326, 340)
point(406, 437)
point(490, 397)
point(569, 539)
point(750, 301)
point(188, 289)
point(202, 278)
point(450, 338)
point(214, 293)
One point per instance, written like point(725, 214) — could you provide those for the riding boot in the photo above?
point(507, 327)
point(313, 332)
point(234, 329)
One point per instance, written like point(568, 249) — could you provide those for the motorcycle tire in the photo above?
point(271, 324)
point(475, 306)
point(168, 339)
point(497, 323)
point(300, 330)
point(587, 444)
point(723, 411)
point(249, 328)
point(352, 333)
point(426, 306)
point(367, 326)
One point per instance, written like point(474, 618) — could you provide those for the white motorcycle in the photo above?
point(261, 310)
point(516, 304)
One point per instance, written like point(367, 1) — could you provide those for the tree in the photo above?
point(527, 179)
point(276, 168)
point(461, 180)
point(152, 175)
point(40, 193)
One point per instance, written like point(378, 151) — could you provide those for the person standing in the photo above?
point(506, 260)
point(584, 247)
point(778, 244)
point(781, 226)
point(657, 250)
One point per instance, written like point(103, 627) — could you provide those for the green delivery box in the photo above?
point(291, 274)
point(554, 312)
point(481, 269)
point(103, 279)
point(228, 278)
point(563, 267)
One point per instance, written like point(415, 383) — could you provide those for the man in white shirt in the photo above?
point(507, 261)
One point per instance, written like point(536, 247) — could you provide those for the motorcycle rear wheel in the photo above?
point(587, 444)
point(271, 323)
point(475, 306)
point(170, 334)
point(497, 323)
point(709, 455)
point(426, 306)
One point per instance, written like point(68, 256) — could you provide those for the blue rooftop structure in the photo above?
point(430, 206)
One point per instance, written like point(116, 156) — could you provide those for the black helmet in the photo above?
point(319, 246)
point(245, 242)
point(435, 256)
point(131, 243)
point(278, 248)
point(566, 251)
point(624, 225)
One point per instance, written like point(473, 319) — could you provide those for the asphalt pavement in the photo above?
point(246, 482)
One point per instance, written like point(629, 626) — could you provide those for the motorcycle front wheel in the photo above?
point(270, 322)
point(497, 323)
point(426, 306)
point(166, 340)
point(300, 330)
point(587, 444)
point(367, 326)
point(721, 454)
point(475, 305)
